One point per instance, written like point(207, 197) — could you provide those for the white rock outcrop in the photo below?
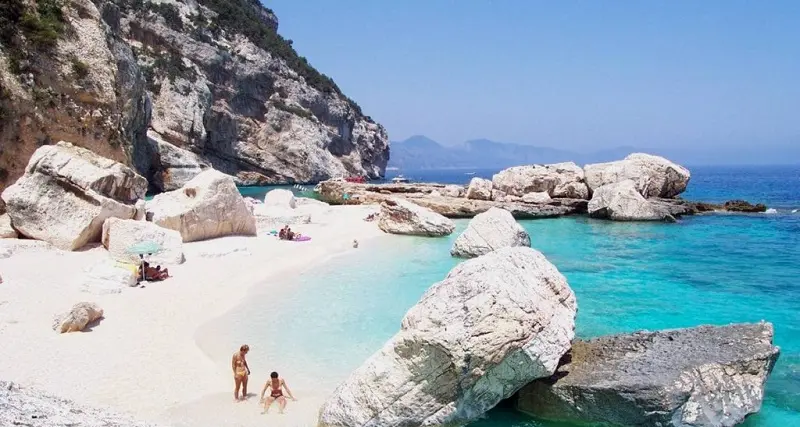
point(270, 218)
point(77, 318)
point(479, 189)
point(280, 198)
point(541, 197)
point(493, 325)
point(399, 216)
point(453, 191)
point(557, 180)
point(654, 176)
point(177, 166)
point(206, 207)
point(489, 231)
point(119, 235)
point(6, 230)
point(66, 194)
point(622, 202)
point(108, 278)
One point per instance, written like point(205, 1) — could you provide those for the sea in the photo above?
point(709, 269)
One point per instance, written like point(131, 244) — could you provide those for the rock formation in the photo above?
point(75, 320)
point(492, 325)
point(68, 192)
point(212, 81)
point(703, 376)
point(557, 180)
point(622, 202)
point(489, 231)
point(27, 407)
point(743, 206)
point(479, 189)
point(402, 217)
point(453, 191)
point(654, 176)
point(208, 206)
point(540, 197)
point(280, 198)
point(120, 235)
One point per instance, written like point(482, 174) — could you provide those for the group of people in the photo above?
point(152, 274)
point(275, 384)
point(286, 233)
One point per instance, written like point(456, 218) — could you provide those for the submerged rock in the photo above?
point(703, 376)
point(654, 176)
point(120, 235)
point(479, 189)
point(403, 217)
point(557, 180)
point(77, 318)
point(621, 202)
point(489, 231)
point(492, 325)
point(68, 192)
point(743, 206)
point(208, 206)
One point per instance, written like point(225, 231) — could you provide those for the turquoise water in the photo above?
point(627, 276)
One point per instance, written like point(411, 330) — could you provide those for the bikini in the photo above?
point(276, 388)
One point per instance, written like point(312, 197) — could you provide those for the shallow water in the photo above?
point(707, 269)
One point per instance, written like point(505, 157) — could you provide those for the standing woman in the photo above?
point(240, 372)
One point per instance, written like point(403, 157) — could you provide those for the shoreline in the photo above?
point(143, 359)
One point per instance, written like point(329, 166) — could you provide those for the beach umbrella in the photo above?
point(143, 248)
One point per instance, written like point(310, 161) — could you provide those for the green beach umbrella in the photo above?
point(143, 248)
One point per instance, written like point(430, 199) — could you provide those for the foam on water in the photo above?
point(713, 269)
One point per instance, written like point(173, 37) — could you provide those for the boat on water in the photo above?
point(399, 179)
point(469, 173)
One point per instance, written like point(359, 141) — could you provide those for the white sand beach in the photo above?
point(142, 358)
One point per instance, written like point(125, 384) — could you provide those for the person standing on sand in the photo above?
point(276, 385)
point(240, 372)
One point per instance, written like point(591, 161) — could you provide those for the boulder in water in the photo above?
point(494, 324)
point(489, 231)
point(703, 376)
point(399, 216)
point(208, 206)
point(653, 176)
point(557, 180)
point(621, 202)
point(66, 194)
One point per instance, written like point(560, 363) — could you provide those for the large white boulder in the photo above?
point(479, 189)
point(654, 176)
point(270, 218)
point(453, 191)
point(66, 194)
point(403, 217)
point(557, 180)
point(76, 319)
point(109, 278)
point(6, 230)
point(120, 234)
point(280, 198)
point(208, 206)
point(622, 202)
point(493, 325)
point(489, 231)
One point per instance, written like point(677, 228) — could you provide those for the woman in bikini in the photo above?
point(276, 386)
point(240, 372)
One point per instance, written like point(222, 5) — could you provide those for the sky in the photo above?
point(705, 76)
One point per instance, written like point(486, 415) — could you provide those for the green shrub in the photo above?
point(170, 14)
point(80, 68)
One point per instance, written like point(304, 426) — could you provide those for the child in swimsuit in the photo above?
point(240, 372)
point(276, 386)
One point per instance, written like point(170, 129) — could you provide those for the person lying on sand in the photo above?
point(153, 273)
point(282, 233)
point(240, 372)
point(276, 385)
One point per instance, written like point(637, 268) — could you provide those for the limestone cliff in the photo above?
point(173, 87)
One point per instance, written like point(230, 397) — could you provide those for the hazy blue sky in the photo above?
point(578, 75)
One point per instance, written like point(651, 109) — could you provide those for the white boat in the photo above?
point(399, 179)
point(469, 173)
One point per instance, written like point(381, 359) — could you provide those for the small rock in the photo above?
point(403, 217)
point(77, 318)
point(479, 189)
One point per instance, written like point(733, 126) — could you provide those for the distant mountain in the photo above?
point(421, 152)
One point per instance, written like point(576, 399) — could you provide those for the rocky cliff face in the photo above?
point(172, 87)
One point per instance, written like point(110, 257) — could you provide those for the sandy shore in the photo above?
point(142, 357)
